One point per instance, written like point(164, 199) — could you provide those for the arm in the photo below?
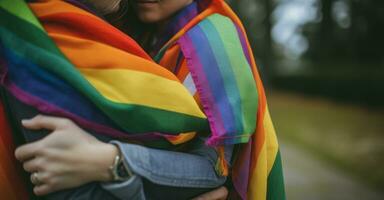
point(69, 157)
point(192, 174)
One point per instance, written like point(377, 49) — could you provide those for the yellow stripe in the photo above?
point(259, 177)
point(271, 140)
point(140, 88)
point(265, 161)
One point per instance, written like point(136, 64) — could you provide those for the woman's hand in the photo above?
point(218, 194)
point(66, 158)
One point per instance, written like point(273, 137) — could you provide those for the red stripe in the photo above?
point(12, 166)
point(91, 28)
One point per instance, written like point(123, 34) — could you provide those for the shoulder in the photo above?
point(217, 19)
point(216, 35)
point(216, 31)
point(216, 25)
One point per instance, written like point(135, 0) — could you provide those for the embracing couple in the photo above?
point(132, 99)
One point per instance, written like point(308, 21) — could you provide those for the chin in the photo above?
point(149, 19)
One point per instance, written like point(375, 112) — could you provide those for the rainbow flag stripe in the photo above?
point(70, 63)
point(116, 97)
point(214, 42)
point(214, 53)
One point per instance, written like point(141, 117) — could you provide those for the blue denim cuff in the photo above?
point(131, 189)
point(170, 168)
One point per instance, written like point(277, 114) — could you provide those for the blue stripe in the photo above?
point(212, 72)
point(227, 74)
point(46, 86)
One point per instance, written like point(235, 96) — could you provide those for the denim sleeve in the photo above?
point(194, 169)
point(131, 189)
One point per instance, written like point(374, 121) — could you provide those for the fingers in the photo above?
point(44, 122)
point(28, 151)
point(218, 194)
point(48, 184)
point(44, 183)
point(33, 165)
point(44, 189)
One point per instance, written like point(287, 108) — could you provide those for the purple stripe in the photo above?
point(46, 86)
point(180, 20)
point(47, 108)
point(241, 178)
point(244, 44)
point(216, 85)
point(176, 24)
point(201, 82)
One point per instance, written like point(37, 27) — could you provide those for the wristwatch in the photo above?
point(120, 170)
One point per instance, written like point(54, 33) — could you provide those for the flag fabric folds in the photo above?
point(216, 52)
point(68, 62)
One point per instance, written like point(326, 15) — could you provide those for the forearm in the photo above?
point(172, 174)
point(198, 154)
point(196, 168)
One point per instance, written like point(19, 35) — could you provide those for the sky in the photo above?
point(290, 15)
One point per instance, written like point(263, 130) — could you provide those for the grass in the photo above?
point(350, 136)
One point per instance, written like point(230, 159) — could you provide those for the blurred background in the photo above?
point(322, 63)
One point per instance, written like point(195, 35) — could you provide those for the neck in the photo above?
point(161, 25)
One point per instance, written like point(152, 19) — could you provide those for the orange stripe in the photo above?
point(222, 8)
point(169, 60)
point(258, 171)
point(183, 71)
point(82, 26)
point(181, 138)
point(259, 137)
point(78, 51)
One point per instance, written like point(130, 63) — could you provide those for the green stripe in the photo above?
point(20, 9)
point(160, 55)
point(242, 71)
point(130, 117)
point(275, 187)
point(223, 65)
point(42, 50)
point(27, 31)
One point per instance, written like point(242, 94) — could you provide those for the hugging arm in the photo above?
point(158, 173)
point(169, 174)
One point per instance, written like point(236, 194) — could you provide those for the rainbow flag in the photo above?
point(66, 61)
point(108, 89)
point(218, 56)
point(61, 62)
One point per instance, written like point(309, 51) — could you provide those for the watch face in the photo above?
point(122, 170)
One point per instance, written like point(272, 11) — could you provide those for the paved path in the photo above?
point(308, 178)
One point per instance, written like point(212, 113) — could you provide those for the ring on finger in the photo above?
point(35, 178)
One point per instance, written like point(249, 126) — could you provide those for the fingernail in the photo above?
point(25, 121)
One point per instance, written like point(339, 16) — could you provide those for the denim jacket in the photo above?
point(158, 174)
point(188, 173)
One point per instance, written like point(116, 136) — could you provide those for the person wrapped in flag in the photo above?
point(205, 86)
